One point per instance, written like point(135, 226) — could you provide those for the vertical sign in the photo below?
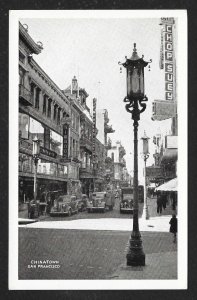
point(168, 56)
point(94, 132)
point(161, 61)
point(65, 140)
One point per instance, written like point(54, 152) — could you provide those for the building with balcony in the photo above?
point(117, 173)
point(85, 141)
point(46, 112)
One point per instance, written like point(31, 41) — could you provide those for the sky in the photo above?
point(90, 49)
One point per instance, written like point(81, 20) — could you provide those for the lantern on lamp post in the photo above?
point(36, 154)
point(145, 156)
point(135, 106)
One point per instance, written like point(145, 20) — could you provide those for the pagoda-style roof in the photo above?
point(33, 46)
point(135, 59)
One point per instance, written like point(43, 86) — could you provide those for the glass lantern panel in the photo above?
point(145, 147)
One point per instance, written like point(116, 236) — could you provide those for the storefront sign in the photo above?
point(65, 140)
point(167, 56)
point(169, 61)
point(94, 132)
point(154, 172)
point(48, 152)
point(162, 110)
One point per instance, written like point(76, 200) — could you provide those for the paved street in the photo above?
point(87, 248)
point(82, 254)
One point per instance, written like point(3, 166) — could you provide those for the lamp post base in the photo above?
point(145, 214)
point(135, 255)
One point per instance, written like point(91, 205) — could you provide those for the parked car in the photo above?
point(82, 202)
point(47, 200)
point(101, 201)
point(126, 203)
point(65, 205)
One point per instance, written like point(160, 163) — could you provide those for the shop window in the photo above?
point(56, 142)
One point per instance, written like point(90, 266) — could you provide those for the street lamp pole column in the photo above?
point(36, 153)
point(135, 106)
point(145, 156)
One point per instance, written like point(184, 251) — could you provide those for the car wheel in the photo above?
point(69, 212)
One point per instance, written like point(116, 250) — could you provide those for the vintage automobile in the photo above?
point(64, 205)
point(47, 200)
point(82, 202)
point(126, 203)
point(101, 201)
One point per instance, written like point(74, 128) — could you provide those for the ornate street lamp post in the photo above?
point(135, 106)
point(36, 153)
point(145, 156)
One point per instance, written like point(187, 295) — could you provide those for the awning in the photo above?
point(170, 186)
point(169, 155)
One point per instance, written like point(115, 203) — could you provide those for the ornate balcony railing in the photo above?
point(25, 95)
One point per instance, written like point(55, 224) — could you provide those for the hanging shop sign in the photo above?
point(94, 132)
point(162, 110)
point(154, 172)
point(48, 152)
point(65, 140)
point(169, 60)
point(166, 61)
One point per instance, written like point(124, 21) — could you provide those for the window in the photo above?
point(44, 104)
point(58, 116)
point(56, 142)
point(23, 126)
point(37, 98)
point(21, 76)
point(21, 57)
point(55, 112)
point(49, 108)
point(36, 129)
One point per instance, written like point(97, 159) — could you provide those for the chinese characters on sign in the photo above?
point(65, 140)
point(94, 132)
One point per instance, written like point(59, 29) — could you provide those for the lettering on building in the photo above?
point(94, 132)
point(65, 140)
point(167, 56)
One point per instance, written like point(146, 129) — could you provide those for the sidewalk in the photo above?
point(156, 224)
point(158, 266)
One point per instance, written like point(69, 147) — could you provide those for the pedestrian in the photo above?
point(173, 227)
point(164, 200)
point(159, 204)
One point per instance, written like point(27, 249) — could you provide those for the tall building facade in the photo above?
point(47, 113)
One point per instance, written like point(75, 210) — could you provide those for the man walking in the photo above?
point(173, 226)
